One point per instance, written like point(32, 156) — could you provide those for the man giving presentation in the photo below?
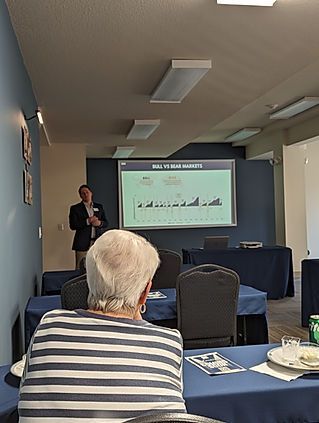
point(88, 220)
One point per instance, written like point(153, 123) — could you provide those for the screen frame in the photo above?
point(155, 161)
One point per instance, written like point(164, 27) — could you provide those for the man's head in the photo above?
point(119, 266)
point(85, 193)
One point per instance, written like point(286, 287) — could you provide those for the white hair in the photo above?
point(119, 266)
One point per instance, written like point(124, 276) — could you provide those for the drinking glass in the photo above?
point(290, 346)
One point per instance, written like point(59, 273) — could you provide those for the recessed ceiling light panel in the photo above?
point(123, 152)
point(243, 134)
point(143, 129)
point(293, 109)
point(179, 79)
point(247, 2)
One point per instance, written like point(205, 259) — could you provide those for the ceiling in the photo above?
point(94, 63)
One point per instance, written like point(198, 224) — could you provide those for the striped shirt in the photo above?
point(86, 367)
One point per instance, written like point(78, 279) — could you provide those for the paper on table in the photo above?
point(277, 371)
point(155, 295)
point(214, 363)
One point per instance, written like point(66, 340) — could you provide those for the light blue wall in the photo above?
point(20, 247)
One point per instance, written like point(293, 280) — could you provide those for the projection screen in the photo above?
point(163, 194)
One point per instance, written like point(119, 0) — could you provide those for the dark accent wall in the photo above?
point(20, 247)
point(254, 192)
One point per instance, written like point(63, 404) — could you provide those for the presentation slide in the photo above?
point(176, 194)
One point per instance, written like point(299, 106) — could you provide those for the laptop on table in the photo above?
point(216, 242)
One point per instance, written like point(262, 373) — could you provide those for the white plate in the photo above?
point(275, 355)
point(17, 368)
point(309, 363)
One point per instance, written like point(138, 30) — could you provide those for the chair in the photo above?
point(206, 300)
point(169, 269)
point(173, 418)
point(74, 293)
point(82, 265)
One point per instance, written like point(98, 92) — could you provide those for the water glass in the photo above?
point(290, 346)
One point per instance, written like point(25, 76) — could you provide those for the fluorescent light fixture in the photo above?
point(247, 2)
point(143, 129)
point(179, 79)
point(242, 134)
point(40, 118)
point(123, 152)
point(293, 109)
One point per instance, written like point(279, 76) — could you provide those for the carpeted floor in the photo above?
point(284, 316)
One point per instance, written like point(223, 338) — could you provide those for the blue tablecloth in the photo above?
point(309, 289)
point(52, 282)
point(251, 301)
point(249, 397)
point(268, 269)
point(245, 397)
point(8, 393)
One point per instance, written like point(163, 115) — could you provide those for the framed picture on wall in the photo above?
point(30, 189)
point(27, 187)
point(25, 141)
point(29, 154)
point(26, 144)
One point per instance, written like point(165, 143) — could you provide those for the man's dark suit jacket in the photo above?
point(77, 221)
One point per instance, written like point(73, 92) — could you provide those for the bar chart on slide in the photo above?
point(184, 198)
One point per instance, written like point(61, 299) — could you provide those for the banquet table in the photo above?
point(53, 281)
point(244, 397)
point(250, 302)
point(268, 269)
point(8, 395)
point(309, 289)
point(249, 397)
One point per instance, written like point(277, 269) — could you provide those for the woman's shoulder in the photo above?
point(58, 314)
point(165, 332)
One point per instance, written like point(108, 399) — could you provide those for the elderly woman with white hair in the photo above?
point(105, 364)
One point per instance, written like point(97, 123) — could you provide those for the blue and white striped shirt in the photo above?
point(86, 367)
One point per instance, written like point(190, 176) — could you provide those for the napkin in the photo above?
point(277, 371)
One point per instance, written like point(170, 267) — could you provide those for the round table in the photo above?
point(9, 395)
